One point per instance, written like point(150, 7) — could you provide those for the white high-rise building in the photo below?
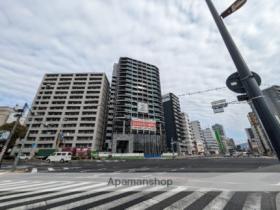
point(198, 137)
point(188, 134)
point(211, 143)
point(69, 110)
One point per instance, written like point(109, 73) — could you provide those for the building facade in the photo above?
point(220, 129)
point(229, 145)
point(198, 137)
point(253, 142)
point(69, 110)
point(211, 143)
point(174, 120)
point(188, 134)
point(260, 135)
point(5, 113)
point(220, 136)
point(135, 113)
point(272, 98)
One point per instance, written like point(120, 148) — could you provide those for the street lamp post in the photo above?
point(249, 83)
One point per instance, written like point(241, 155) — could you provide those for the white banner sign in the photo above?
point(142, 107)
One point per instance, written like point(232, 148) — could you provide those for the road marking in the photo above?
point(28, 185)
point(157, 199)
point(125, 199)
point(30, 192)
point(277, 198)
point(11, 183)
point(94, 188)
point(40, 196)
point(91, 200)
point(186, 201)
point(253, 201)
point(220, 201)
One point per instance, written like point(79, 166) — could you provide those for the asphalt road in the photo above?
point(62, 191)
point(51, 186)
point(156, 165)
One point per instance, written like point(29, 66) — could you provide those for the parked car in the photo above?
point(24, 157)
point(60, 157)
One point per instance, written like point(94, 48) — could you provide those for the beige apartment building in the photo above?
point(71, 108)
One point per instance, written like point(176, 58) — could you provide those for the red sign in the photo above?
point(141, 124)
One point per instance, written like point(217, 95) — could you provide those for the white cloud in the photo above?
point(180, 37)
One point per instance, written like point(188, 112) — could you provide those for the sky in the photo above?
point(178, 36)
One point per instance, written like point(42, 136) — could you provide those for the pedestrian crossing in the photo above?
point(72, 194)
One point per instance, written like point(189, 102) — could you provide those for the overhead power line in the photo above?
point(201, 91)
point(208, 90)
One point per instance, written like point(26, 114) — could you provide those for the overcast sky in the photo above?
point(178, 36)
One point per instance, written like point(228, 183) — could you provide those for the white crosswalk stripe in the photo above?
point(278, 201)
point(27, 186)
point(186, 201)
point(125, 199)
point(11, 183)
point(40, 196)
point(253, 201)
point(90, 200)
point(90, 189)
point(156, 199)
point(220, 201)
point(37, 190)
point(59, 195)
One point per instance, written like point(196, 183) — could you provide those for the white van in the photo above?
point(60, 157)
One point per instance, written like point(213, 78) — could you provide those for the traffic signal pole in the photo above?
point(269, 121)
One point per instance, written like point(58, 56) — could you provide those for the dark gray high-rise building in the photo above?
point(272, 97)
point(135, 114)
point(173, 123)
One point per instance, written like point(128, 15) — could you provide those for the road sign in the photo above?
point(218, 106)
point(234, 83)
point(218, 110)
point(235, 6)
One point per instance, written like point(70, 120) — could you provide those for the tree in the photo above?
point(19, 133)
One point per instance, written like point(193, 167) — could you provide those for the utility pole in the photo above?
point(172, 147)
point(247, 81)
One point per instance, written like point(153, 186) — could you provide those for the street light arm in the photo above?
point(232, 8)
point(232, 48)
